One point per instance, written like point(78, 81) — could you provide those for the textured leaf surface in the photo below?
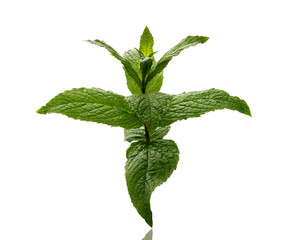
point(95, 105)
point(127, 65)
point(132, 56)
point(138, 134)
point(185, 43)
point(194, 104)
point(147, 167)
point(146, 42)
point(155, 84)
point(150, 108)
point(160, 132)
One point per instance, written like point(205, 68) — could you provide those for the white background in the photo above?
point(64, 179)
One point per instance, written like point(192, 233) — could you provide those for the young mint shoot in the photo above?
point(146, 115)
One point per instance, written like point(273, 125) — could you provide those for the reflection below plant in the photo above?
point(149, 235)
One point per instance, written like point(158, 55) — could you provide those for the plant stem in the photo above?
point(147, 136)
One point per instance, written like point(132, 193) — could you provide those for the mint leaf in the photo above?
point(127, 65)
point(194, 104)
point(146, 43)
point(155, 84)
point(160, 132)
point(136, 134)
point(185, 43)
point(95, 105)
point(150, 107)
point(132, 56)
point(108, 47)
point(147, 167)
point(145, 66)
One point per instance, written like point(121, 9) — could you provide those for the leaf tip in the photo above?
point(247, 109)
point(204, 39)
point(149, 222)
point(42, 110)
point(249, 113)
point(146, 29)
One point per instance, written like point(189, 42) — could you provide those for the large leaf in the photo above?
point(132, 56)
point(148, 166)
point(185, 43)
point(150, 107)
point(194, 104)
point(146, 42)
point(127, 65)
point(95, 105)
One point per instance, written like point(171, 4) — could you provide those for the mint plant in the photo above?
point(146, 115)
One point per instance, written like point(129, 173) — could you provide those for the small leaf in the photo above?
point(146, 43)
point(185, 43)
point(194, 104)
point(160, 132)
point(150, 107)
point(95, 105)
point(136, 134)
point(147, 167)
point(132, 56)
point(108, 47)
point(145, 66)
point(127, 65)
point(155, 84)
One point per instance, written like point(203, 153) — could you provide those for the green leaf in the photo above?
point(147, 167)
point(160, 132)
point(138, 134)
point(132, 56)
point(95, 105)
point(108, 47)
point(150, 107)
point(155, 84)
point(127, 65)
point(145, 66)
point(146, 43)
point(194, 104)
point(185, 43)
